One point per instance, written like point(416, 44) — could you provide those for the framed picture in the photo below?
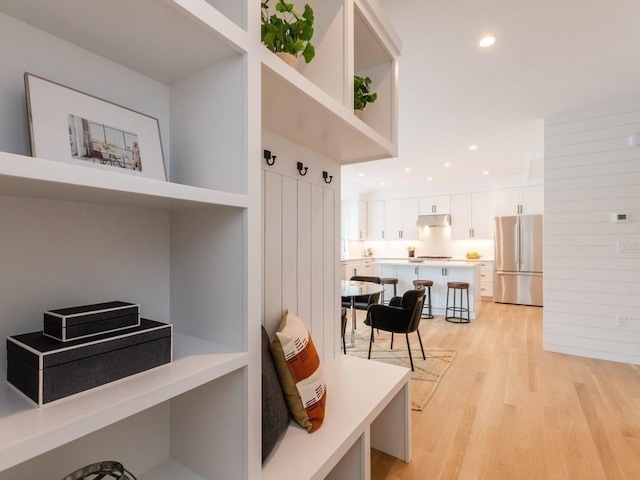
point(70, 126)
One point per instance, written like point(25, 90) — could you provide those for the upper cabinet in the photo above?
point(313, 105)
point(472, 215)
point(356, 221)
point(434, 205)
point(527, 200)
point(376, 219)
point(400, 219)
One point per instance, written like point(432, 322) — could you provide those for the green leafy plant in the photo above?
point(287, 31)
point(362, 92)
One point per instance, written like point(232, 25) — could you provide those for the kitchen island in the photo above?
point(438, 271)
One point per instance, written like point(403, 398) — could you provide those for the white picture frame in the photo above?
point(70, 126)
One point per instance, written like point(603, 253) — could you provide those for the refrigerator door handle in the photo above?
point(521, 274)
point(517, 249)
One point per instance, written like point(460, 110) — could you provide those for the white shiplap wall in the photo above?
point(301, 254)
point(590, 173)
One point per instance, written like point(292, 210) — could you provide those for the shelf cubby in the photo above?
point(375, 53)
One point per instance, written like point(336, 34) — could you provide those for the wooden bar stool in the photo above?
point(389, 281)
point(457, 312)
point(427, 284)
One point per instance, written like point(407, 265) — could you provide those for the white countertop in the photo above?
point(431, 263)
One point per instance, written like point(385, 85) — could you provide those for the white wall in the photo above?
point(301, 242)
point(591, 172)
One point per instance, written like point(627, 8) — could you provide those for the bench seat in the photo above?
point(368, 405)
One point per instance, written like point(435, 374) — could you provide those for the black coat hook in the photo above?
point(302, 169)
point(268, 156)
point(326, 175)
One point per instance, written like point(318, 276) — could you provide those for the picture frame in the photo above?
point(74, 127)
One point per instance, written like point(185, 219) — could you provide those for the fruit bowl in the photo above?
point(473, 256)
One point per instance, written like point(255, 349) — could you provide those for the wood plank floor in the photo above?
point(508, 410)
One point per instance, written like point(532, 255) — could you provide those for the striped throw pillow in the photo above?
point(300, 372)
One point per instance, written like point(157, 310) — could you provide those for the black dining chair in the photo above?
point(362, 302)
point(402, 315)
point(343, 328)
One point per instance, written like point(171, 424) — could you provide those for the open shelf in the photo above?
point(296, 109)
point(170, 470)
point(27, 431)
point(375, 51)
point(39, 178)
point(164, 40)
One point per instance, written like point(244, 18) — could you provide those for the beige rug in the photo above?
point(427, 373)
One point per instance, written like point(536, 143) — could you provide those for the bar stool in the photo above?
point(389, 281)
point(457, 311)
point(427, 303)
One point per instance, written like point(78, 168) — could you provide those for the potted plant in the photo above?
point(287, 33)
point(362, 94)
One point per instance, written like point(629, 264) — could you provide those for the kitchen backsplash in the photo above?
point(436, 241)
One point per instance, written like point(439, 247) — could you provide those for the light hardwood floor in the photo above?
point(508, 410)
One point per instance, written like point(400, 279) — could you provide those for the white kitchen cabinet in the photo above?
point(486, 279)
point(436, 204)
point(344, 228)
point(409, 217)
point(376, 220)
point(441, 275)
point(393, 219)
point(400, 219)
point(528, 200)
point(472, 215)
point(406, 274)
point(361, 267)
point(356, 221)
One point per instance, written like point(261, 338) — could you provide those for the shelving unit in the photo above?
point(314, 105)
point(186, 250)
point(179, 248)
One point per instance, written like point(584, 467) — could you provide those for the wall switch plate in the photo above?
point(618, 217)
point(621, 320)
point(627, 247)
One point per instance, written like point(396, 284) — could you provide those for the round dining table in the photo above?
point(352, 289)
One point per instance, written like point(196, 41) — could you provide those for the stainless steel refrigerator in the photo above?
point(518, 260)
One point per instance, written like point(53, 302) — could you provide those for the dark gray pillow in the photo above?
point(275, 414)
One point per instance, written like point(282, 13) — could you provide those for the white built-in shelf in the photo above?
point(296, 109)
point(170, 470)
point(40, 178)
point(169, 40)
point(27, 431)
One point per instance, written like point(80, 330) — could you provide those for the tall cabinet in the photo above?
point(188, 250)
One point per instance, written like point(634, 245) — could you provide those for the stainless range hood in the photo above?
point(443, 220)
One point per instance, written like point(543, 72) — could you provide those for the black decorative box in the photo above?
point(45, 369)
point(86, 321)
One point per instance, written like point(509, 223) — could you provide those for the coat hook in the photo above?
point(302, 169)
point(326, 175)
point(268, 156)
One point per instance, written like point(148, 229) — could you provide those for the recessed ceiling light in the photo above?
point(473, 147)
point(407, 169)
point(486, 172)
point(382, 183)
point(429, 178)
point(447, 164)
point(487, 41)
point(361, 174)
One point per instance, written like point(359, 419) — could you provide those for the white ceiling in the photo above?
point(551, 56)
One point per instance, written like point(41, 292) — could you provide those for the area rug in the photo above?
point(427, 373)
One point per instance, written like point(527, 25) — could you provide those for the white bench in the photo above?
point(368, 405)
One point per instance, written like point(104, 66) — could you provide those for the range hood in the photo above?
point(443, 220)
